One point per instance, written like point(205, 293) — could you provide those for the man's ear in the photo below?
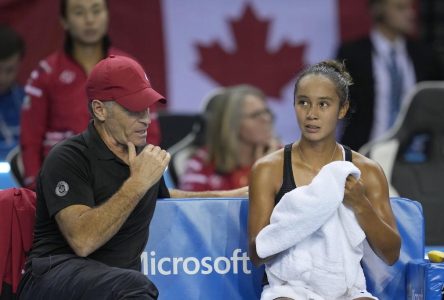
point(343, 110)
point(99, 110)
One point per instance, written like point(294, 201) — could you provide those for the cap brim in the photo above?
point(140, 100)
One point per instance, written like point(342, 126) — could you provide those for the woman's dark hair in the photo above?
point(64, 5)
point(333, 70)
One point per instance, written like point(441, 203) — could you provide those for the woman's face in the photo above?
point(317, 107)
point(86, 20)
point(256, 125)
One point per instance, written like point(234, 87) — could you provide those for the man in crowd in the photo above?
point(12, 49)
point(385, 66)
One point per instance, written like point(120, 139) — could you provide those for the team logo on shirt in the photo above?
point(61, 189)
point(67, 76)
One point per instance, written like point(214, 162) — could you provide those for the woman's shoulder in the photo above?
point(266, 173)
point(365, 164)
point(270, 161)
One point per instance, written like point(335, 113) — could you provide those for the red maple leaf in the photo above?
point(251, 62)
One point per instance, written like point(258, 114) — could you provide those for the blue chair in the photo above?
point(197, 249)
point(389, 282)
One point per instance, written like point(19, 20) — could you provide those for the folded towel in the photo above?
point(317, 241)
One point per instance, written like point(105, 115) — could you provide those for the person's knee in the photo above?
point(137, 278)
point(133, 284)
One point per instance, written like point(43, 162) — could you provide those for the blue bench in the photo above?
point(197, 249)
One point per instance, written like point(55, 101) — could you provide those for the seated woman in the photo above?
point(239, 130)
point(321, 99)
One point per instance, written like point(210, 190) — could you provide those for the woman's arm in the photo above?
point(264, 178)
point(369, 199)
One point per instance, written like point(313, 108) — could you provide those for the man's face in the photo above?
point(86, 20)
point(125, 126)
point(399, 15)
point(9, 69)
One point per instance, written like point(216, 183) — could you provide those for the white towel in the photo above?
point(317, 240)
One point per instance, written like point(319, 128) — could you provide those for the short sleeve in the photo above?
point(65, 179)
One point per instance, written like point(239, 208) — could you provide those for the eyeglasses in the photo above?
point(255, 115)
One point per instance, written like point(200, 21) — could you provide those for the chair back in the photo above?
point(412, 155)
point(17, 217)
point(183, 149)
point(175, 126)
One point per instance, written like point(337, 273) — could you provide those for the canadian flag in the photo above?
point(191, 47)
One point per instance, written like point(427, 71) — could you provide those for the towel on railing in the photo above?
point(316, 240)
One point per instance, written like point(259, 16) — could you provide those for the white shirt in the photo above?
point(380, 59)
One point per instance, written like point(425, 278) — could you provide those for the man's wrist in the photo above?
point(137, 186)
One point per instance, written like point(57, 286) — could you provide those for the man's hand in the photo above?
point(88, 228)
point(148, 166)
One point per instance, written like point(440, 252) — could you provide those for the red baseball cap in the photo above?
point(122, 79)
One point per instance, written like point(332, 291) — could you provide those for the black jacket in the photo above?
point(358, 60)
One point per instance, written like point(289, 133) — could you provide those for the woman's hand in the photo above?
point(354, 195)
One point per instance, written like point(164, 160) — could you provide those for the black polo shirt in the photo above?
point(82, 170)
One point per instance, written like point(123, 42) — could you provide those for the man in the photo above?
point(12, 50)
point(96, 195)
point(56, 106)
point(384, 65)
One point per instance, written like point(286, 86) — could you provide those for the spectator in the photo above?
point(56, 108)
point(239, 131)
point(384, 65)
point(12, 50)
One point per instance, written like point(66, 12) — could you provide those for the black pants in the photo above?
point(73, 277)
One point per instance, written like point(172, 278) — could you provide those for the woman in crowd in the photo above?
point(56, 106)
point(239, 130)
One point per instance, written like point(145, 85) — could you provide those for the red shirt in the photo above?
point(201, 175)
point(56, 107)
